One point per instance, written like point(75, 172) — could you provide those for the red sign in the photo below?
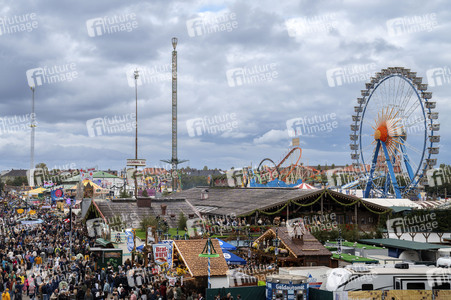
point(160, 254)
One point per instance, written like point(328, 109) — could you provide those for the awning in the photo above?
point(226, 246)
point(397, 209)
point(104, 243)
point(232, 258)
point(31, 222)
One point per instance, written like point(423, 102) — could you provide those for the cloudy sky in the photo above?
point(245, 69)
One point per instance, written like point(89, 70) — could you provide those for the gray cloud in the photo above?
point(358, 34)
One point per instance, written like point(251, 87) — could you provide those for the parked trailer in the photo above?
point(388, 277)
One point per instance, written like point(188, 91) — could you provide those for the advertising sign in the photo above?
point(162, 253)
point(136, 162)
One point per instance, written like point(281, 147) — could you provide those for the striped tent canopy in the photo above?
point(305, 186)
point(433, 204)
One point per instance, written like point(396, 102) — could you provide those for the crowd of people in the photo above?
point(39, 262)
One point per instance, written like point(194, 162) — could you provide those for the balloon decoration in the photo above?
point(20, 211)
point(32, 212)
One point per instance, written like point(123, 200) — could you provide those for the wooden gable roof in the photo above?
point(308, 246)
point(189, 251)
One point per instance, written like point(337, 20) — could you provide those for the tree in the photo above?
point(148, 221)
point(41, 165)
point(182, 221)
point(205, 168)
point(18, 181)
point(333, 166)
point(152, 221)
point(145, 194)
point(318, 167)
point(124, 194)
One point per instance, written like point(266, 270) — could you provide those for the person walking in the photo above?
point(6, 295)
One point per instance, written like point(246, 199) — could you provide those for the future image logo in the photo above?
point(111, 125)
point(211, 125)
point(52, 74)
point(15, 124)
point(149, 75)
point(411, 24)
point(438, 76)
point(251, 75)
point(18, 23)
point(311, 125)
point(314, 24)
point(438, 177)
point(418, 223)
point(349, 74)
point(111, 24)
point(211, 23)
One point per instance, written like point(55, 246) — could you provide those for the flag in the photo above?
point(66, 220)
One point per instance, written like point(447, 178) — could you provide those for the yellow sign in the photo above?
point(20, 211)
point(32, 212)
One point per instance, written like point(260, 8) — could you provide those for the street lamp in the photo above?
point(167, 235)
point(159, 230)
point(33, 128)
point(177, 236)
point(276, 243)
point(136, 76)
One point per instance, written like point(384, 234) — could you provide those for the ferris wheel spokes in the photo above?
point(397, 99)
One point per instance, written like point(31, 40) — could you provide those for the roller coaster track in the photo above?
point(284, 175)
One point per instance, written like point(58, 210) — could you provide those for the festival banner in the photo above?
point(129, 236)
point(162, 253)
point(48, 184)
point(57, 194)
point(87, 174)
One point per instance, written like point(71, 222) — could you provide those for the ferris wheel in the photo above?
point(394, 134)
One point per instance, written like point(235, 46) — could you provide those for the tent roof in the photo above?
point(95, 175)
point(388, 202)
point(85, 183)
point(306, 186)
point(402, 244)
point(225, 245)
point(233, 258)
point(104, 243)
point(37, 191)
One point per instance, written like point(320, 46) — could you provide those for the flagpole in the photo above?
point(70, 232)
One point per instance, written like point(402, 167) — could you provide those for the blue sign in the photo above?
point(129, 236)
point(170, 245)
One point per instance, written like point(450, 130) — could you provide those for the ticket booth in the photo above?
point(286, 287)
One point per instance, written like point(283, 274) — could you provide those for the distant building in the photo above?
point(11, 175)
point(202, 173)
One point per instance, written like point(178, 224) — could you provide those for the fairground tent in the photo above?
point(37, 191)
point(226, 246)
point(232, 258)
point(97, 188)
point(305, 186)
